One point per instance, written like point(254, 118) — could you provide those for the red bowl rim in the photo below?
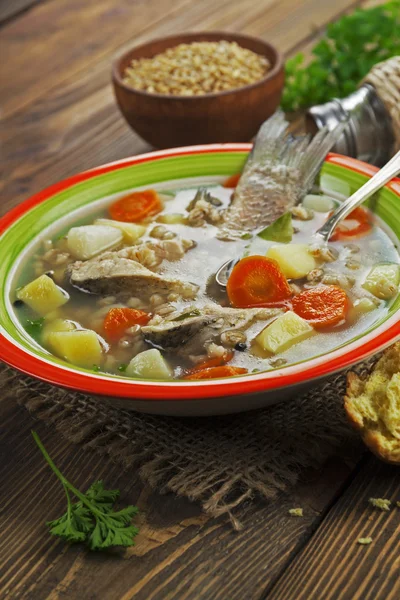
point(65, 376)
point(276, 68)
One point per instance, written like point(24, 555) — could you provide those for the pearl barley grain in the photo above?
point(196, 69)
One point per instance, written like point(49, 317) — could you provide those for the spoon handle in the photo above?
point(384, 175)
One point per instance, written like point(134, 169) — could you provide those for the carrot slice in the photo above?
point(216, 372)
point(355, 225)
point(232, 181)
point(217, 361)
point(322, 306)
point(118, 320)
point(255, 281)
point(136, 206)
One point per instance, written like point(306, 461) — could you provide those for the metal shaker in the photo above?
point(372, 129)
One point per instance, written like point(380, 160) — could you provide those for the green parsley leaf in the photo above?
point(92, 519)
point(100, 497)
point(74, 525)
point(34, 328)
point(114, 533)
point(351, 47)
point(96, 368)
point(122, 367)
point(280, 230)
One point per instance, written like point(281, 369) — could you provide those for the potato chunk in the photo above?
point(131, 231)
point(43, 295)
point(295, 260)
point(284, 332)
point(365, 305)
point(383, 281)
point(80, 347)
point(172, 219)
point(150, 365)
point(319, 203)
point(89, 240)
point(55, 326)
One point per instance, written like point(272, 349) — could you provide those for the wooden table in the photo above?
point(59, 117)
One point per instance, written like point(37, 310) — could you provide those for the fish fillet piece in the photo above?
point(239, 318)
point(280, 170)
point(113, 274)
point(193, 334)
point(152, 253)
point(203, 209)
point(172, 335)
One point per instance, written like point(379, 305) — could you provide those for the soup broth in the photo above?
point(80, 296)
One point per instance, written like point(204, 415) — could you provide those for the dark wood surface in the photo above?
point(11, 8)
point(58, 117)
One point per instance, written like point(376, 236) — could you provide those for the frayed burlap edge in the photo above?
point(221, 462)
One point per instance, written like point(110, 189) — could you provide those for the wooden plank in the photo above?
point(333, 565)
point(53, 137)
point(65, 122)
point(59, 39)
point(31, 494)
point(44, 62)
point(180, 553)
point(11, 8)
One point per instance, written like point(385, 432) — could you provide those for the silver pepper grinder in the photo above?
point(373, 130)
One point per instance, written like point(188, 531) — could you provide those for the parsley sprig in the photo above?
point(351, 47)
point(34, 327)
point(92, 519)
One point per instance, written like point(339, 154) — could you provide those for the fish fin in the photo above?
point(316, 153)
point(274, 146)
point(268, 143)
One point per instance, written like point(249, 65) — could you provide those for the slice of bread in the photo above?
point(373, 405)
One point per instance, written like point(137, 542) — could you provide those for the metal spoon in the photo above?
point(322, 235)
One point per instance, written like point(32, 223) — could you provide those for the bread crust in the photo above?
point(363, 393)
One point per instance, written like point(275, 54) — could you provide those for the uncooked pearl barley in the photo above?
point(196, 69)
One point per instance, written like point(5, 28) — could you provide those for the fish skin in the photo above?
point(279, 171)
point(249, 209)
point(192, 335)
point(113, 274)
point(173, 335)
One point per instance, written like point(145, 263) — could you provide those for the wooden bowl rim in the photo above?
point(275, 70)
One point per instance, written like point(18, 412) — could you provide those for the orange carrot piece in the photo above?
point(355, 225)
point(217, 361)
point(136, 206)
point(322, 306)
point(232, 181)
point(118, 320)
point(216, 372)
point(255, 281)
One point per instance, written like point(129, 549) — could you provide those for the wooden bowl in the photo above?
point(231, 116)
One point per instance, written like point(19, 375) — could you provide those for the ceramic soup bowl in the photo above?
point(23, 229)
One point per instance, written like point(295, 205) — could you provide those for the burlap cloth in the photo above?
point(223, 463)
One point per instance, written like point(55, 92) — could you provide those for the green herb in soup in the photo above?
point(131, 290)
